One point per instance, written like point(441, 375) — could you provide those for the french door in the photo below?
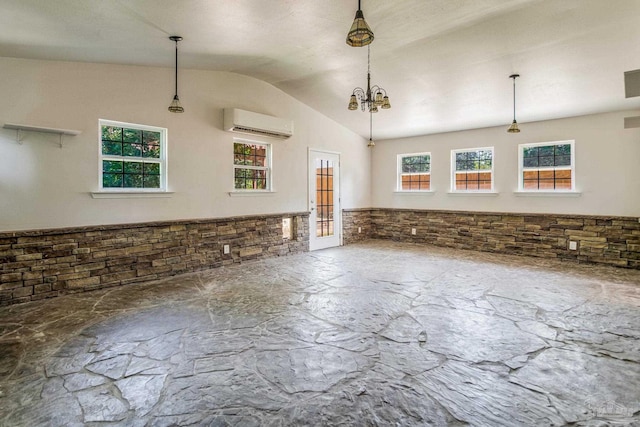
point(324, 200)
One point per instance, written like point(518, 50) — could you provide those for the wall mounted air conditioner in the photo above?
point(236, 120)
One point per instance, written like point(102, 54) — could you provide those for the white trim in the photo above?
point(400, 174)
point(131, 194)
point(311, 176)
point(473, 193)
point(547, 168)
point(251, 193)
point(522, 169)
point(543, 193)
point(162, 160)
point(414, 192)
point(338, 153)
point(452, 176)
point(106, 122)
point(268, 169)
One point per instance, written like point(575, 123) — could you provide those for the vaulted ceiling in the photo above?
point(444, 63)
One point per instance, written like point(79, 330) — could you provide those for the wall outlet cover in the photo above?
point(413, 231)
point(226, 250)
point(573, 246)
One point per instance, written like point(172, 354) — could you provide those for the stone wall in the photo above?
point(356, 225)
point(47, 263)
point(600, 239)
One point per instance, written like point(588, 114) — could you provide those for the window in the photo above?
point(547, 166)
point(414, 172)
point(472, 169)
point(251, 165)
point(132, 157)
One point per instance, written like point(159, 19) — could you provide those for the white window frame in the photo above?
point(400, 174)
point(268, 168)
point(521, 167)
point(454, 171)
point(162, 161)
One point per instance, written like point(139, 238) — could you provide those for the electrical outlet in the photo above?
point(413, 231)
point(226, 250)
point(573, 246)
point(359, 229)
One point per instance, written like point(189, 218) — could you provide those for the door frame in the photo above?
point(311, 176)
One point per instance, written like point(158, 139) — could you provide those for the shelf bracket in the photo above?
point(19, 136)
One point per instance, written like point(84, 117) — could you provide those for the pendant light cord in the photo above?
point(370, 125)
point(514, 98)
point(176, 93)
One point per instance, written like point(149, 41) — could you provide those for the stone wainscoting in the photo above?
point(46, 263)
point(356, 225)
point(600, 239)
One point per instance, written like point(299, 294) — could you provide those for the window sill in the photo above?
point(131, 194)
point(547, 193)
point(251, 193)
point(415, 193)
point(473, 193)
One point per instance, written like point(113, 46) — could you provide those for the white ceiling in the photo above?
point(444, 63)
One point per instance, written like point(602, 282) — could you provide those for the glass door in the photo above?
point(324, 200)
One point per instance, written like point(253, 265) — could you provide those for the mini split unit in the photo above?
point(242, 121)
point(631, 90)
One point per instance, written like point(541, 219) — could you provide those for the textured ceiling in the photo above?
point(444, 63)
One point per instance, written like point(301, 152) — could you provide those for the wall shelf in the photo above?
point(28, 128)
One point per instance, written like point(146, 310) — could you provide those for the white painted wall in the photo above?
point(43, 186)
point(607, 168)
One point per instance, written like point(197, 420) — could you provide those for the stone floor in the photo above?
point(376, 333)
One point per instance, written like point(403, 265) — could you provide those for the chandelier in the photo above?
point(371, 98)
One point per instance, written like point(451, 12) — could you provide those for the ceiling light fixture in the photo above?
point(373, 97)
point(514, 126)
point(175, 106)
point(359, 34)
point(370, 99)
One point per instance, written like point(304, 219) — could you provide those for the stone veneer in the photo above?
point(46, 263)
point(601, 239)
point(40, 264)
point(351, 220)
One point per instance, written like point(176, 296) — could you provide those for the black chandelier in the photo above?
point(371, 98)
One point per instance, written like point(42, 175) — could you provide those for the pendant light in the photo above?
point(514, 126)
point(359, 34)
point(371, 144)
point(175, 106)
